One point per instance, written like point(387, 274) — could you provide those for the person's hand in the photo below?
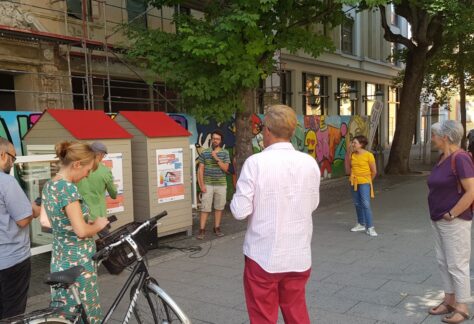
point(350, 149)
point(214, 155)
point(203, 189)
point(101, 222)
point(36, 209)
point(448, 218)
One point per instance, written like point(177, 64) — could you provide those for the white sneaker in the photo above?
point(358, 228)
point(371, 231)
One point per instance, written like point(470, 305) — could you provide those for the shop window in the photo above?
point(275, 89)
point(315, 94)
point(346, 97)
point(371, 92)
point(393, 104)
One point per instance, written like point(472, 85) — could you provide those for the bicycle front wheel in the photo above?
point(155, 306)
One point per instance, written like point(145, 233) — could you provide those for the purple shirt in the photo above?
point(443, 186)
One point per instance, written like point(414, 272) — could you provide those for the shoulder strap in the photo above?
point(453, 160)
point(453, 168)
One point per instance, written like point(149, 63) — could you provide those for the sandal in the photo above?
point(447, 309)
point(201, 235)
point(217, 231)
point(448, 319)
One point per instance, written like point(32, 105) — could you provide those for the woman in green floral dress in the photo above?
point(72, 233)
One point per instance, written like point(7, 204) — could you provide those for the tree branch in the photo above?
point(389, 35)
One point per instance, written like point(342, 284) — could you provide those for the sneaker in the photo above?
point(358, 228)
point(201, 235)
point(371, 231)
point(217, 231)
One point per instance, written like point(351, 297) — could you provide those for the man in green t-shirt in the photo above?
point(213, 165)
point(93, 187)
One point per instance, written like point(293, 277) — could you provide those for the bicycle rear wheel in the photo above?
point(155, 306)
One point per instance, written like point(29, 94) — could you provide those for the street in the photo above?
point(392, 278)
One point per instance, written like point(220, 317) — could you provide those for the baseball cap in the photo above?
point(99, 147)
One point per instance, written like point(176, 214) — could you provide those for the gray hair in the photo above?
point(4, 145)
point(452, 129)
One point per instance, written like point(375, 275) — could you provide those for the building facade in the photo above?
point(66, 54)
point(349, 80)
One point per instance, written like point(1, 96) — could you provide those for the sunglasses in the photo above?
point(12, 156)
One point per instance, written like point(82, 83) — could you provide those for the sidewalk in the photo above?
point(355, 279)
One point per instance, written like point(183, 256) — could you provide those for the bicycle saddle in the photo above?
point(67, 277)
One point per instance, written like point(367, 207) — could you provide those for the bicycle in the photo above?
point(149, 303)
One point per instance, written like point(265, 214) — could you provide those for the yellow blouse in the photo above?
point(360, 170)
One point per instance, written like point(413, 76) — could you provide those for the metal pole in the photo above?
point(84, 48)
point(107, 67)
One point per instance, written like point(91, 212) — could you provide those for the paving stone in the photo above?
point(356, 281)
point(330, 302)
point(326, 317)
point(387, 314)
point(411, 288)
point(371, 296)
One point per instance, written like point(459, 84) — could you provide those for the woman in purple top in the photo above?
point(451, 194)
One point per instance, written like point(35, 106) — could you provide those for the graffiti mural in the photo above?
point(15, 124)
point(325, 138)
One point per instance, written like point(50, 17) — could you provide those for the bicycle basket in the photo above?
point(122, 256)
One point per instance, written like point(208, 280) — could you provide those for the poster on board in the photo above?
point(169, 164)
point(114, 162)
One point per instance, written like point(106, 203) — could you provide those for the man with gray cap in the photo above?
point(93, 187)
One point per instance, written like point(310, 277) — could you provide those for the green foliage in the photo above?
point(455, 59)
point(211, 61)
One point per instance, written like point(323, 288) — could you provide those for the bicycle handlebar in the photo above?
point(151, 223)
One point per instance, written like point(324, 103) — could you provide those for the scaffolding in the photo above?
point(89, 88)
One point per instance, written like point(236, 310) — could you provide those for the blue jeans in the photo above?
point(361, 199)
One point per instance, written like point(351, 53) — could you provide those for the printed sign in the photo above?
point(114, 162)
point(169, 163)
point(374, 122)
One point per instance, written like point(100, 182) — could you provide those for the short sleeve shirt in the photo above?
point(360, 166)
point(213, 174)
point(443, 186)
point(56, 196)
point(14, 206)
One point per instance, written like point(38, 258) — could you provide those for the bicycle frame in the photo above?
point(139, 269)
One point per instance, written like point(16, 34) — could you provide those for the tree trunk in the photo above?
point(243, 131)
point(407, 115)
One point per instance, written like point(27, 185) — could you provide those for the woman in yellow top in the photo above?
point(362, 172)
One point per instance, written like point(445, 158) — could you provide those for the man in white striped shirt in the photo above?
point(278, 190)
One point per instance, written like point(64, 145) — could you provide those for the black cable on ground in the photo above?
point(194, 250)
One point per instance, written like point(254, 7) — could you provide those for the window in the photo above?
point(136, 10)
point(74, 8)
point(276, 88)
point(286, 93)
point(7, 94)
point(395, 49)
point(185, 10)
point(347, 35)
point(394, 18)
point(346, 96)
point(370, 96)
point(315, 94)
point(393, 103)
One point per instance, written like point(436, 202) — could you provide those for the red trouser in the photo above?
point(264, 292)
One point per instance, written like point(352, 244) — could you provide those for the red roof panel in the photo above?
point(155, 124)
point(88, 124)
